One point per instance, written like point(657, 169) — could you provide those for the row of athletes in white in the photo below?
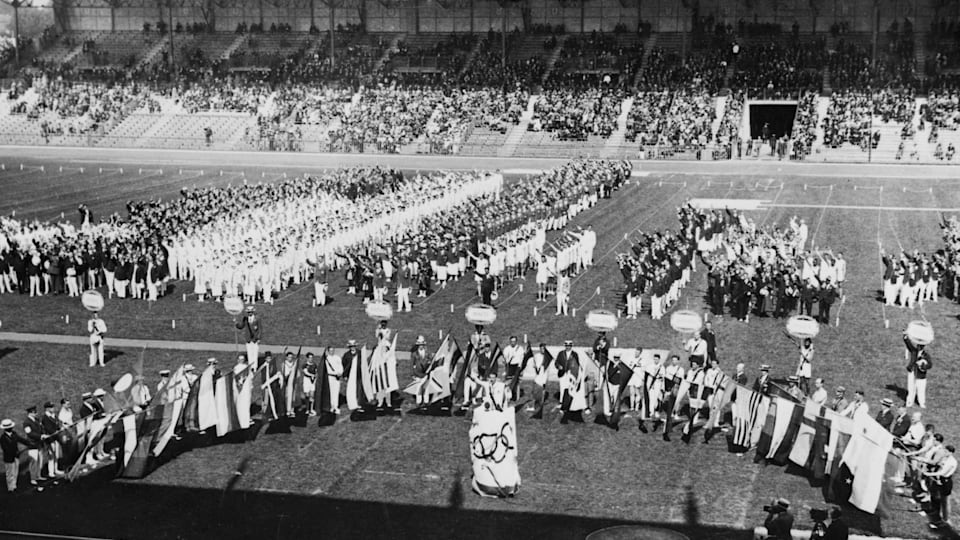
point(297, 263)
point(899, 292)
point(295, 258)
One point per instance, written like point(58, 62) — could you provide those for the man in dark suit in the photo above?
point(885, 416)
point(50, 426)
point(710, 337)
point(10, 442)
point(779, 521)
point(565, 358)
point(901, 424)
point(762, 384)
point(838, 528)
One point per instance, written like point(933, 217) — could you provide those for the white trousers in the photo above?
point(562, 304)
point(96, 351)
point(320, 293)
point(403, 298)
point(916, 391)
point(334, 392)
point(253, 353)
point(13, 472)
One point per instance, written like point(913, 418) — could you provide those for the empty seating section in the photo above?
point(431, 53)
point(270, 50)
point(184, 131)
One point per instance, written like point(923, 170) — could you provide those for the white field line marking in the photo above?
point(823, 212)
point(770, 206)
point(883, 302)
point(742, 520)
point(865, 207)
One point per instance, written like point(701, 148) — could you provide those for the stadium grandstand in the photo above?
point(803, 80)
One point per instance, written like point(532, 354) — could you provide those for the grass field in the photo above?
point(408, 476)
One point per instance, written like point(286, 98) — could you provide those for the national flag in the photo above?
point(321, 390)
point(383, 369)
point(71, 439)
point(515, 382)
point(801, 452)
point(273, 399)
point(99, 428)
point(765, 436)
point(652, 395)
point(292, 383)
point(130, 424)
point(775, 390)
point(841, 428)
point(865, 457)
point(243, 393)
point(191, 417)
point(723, 393)
point(225, 397)
point(784, 430)
point(817, 462)
point(146, 430)
point(359, 392)
point(460, 372)
point(206, 401)
point(625, 374)
point(749, 411)
point(168, 424)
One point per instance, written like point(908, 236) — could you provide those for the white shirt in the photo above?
point(513, 354)
point(819, 396)
point(334, 365)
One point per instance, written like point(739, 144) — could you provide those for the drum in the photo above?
point(601, 320)
point(92, 301)
point(481, 314)
point(686, 321)
point(379, 311)
point(802, 327)
point(920, 332)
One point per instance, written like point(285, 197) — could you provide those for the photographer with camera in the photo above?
point(779, 520)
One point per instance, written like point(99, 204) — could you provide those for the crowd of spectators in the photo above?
point(574, 116)
point(646, 118)
point(776, 70)
point(728, 132)
point(848, 120)
point(488, 69)
point(943, 108)
point(600, 52)
point(805, 121)
point(667, 71)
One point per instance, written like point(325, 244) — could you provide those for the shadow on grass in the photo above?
point(147, 511)
point(7, 350)
point(901, 391)
point(110, 354)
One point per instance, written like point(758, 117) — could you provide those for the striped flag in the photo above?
point(244, 396)
point(841, 428)
point(652, 390)
point(435, 385)
point(145, 429)
point(383, 369)
point(206, 401)
point(724, 389)
point(817, 462)
point(749, 413)
point(359, 392)
point(168, 424)
point(227, 419)
point(785, 425)
point(803, 446)
point(273, 402)
point(99, 428)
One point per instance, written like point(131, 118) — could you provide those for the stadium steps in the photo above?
point(920, 56)
point(830, 45)
point(613, 144)
point(146, 139)
point(152, 53)
point(552, 59)
point(644, 60)
point(720, 106)
point(130, 130)
point(389, 51)
point(823, 104)
point(470, 58)
point(886, 149)
point(516, 134)
point(237, 43)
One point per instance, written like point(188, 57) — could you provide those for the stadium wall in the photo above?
point(482, 15)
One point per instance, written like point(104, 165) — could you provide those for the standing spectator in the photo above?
point(885, 414)
point(838, 528)
point(941, 487)
point(10, 442)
